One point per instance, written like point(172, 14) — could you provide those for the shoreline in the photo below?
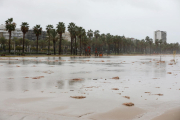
point(84, 55)
point(172, 114)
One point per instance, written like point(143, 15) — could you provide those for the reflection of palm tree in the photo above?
point(10, 27)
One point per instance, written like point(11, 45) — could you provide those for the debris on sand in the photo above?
point(172, 60)
point(115, 89)
point(157, 87)
point(169, 72)
point(18, 66)
point(162, 61)
point(159, 94)
point(78, 97)
point(126, 97)
point(77, 79)
point(170, 64)
point(115, 78)
point(119, 93)
point(39, 77)
point(10, 78)
point(26, 77)
point(102, 61)
point(128, 104)
point(147, 92)
point(48, 72)
point(94, 79)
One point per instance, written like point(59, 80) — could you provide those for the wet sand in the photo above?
point(173, 114)
point(88, 88)
point(127, 113)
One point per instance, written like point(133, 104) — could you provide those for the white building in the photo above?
point(17, 33)
point(66, 36)
point(160, 35)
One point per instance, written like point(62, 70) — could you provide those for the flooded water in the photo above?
point(43, 88)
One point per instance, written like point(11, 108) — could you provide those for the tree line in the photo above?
point(80, 40)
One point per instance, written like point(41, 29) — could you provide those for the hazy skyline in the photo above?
point(132, 18)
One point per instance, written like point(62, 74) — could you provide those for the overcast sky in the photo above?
point(132, 18)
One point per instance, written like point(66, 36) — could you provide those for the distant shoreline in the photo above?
point(84, 55)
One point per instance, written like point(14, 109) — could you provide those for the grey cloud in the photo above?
point(133, 18)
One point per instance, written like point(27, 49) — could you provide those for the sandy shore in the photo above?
point(127, 113)
point(173, 114)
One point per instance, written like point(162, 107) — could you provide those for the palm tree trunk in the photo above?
point(37, 45)
point(49, 44)
point(54, 47)
point(23, 42)
point(80, 46)
point(75, 47)
point(71, 45)
point(60, 44)
point(9, 41)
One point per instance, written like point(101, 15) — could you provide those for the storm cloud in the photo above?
point(132, 18)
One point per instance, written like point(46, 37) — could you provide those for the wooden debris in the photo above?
point(169, 72)
point(126, 97)
point(77, 79)
point(39, 77)
point(128, 104)
point(115, 89)
point(159, 94)
point(147, 92)
point(115, 78)
point(78, 97)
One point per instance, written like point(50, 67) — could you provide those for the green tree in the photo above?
point(60, 30)
point(53, 35)
point(24, 29)
point(3, 41)
point(71, 28)
point(37, 31)
point(10, 26)
point(80, 32)
point(48, 28)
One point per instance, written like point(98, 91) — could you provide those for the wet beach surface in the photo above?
point(88, 88)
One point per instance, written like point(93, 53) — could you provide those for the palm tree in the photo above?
point(90, 34)
point(53, 35)
point(10, 26)
point(80, 32)
point(37, 31)
point(48, 28)
point(71, 28)
point(96, 34)
point(24, 29)
point(109, 41)
point(160, 41)
point(150, 43)
point(60, 30)
point(75, 33)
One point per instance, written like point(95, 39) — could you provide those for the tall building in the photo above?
point(3, 33)
point(160, 35)
point(31, 36)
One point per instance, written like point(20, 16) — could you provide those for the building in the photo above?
point(66, 36)
point(31, 36)
point(3, 33)
point(160, 35)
